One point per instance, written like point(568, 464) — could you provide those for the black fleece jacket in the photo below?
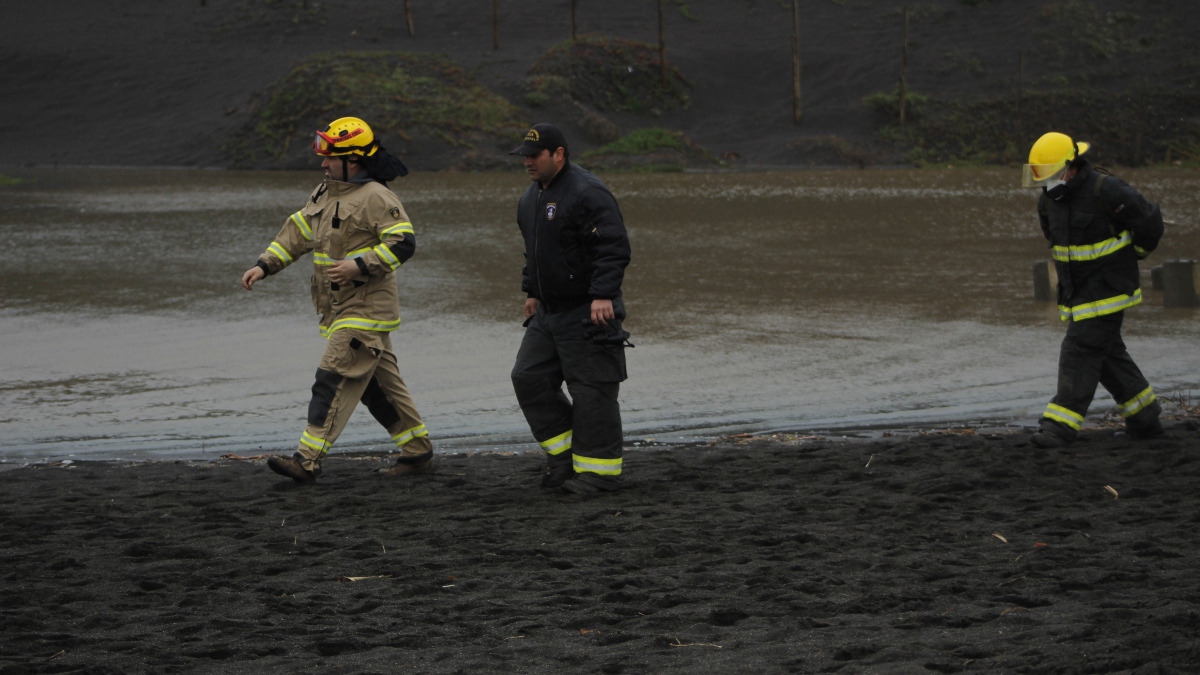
point(576, 247)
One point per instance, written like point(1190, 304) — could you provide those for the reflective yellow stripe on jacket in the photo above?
point(1093, 251)
point(360, 324)
point(325, 260)
point(386, 256)
point(280, 252)
point(1092, 310)
point(398, 228)
point(302, 225)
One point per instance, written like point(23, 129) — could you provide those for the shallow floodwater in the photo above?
point(757, 301)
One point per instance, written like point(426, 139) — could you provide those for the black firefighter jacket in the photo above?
point(1098, 232)
point(576, 247)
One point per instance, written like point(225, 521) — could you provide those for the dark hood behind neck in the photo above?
point(1081, 177)
point(383, 167)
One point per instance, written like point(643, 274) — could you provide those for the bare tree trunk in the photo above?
point(574, 7)
point(796, 111)
point(904, 67)
point(662, 46)
point(495, 25)
point(408, 17)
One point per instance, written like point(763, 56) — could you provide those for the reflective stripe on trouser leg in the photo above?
point(1136, 404)
point(1063, 416)
point(404, 423)
point(407, 435)
point(557, 445)
point(316, 440)
point(1086, 349)
point(537, 381)
point(335, 395)
point(604, 467)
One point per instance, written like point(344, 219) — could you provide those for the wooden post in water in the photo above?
point(662, 46)
point(904, 66)
point(1045, 281)
point(495, 25)
point(574, 7)
point(408, 17)
point(796, 111)
point(1179, 283)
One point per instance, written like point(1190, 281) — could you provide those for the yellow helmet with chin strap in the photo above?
point(346, 136)
point(1049, 157)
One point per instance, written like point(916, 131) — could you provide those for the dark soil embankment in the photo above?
point(943, 552)
point(142, 82)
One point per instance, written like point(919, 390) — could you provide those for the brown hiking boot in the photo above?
point(409, 464)
point(292, 468)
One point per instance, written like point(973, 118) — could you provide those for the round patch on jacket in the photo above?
point(551, 209)
point(395, 212)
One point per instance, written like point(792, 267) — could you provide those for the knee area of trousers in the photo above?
point(323, 389)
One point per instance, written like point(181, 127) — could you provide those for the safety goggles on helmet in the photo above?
point(326, 145)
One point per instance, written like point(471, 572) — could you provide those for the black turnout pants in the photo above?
point(585, 429)
point(1093, 353)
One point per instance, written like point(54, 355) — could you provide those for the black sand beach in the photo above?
point(945, 552)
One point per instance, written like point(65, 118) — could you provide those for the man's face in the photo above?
point(543, 166)
point(333, 167)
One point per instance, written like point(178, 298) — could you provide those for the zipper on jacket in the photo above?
point(537, 219)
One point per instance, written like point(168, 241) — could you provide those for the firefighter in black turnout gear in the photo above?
point(576, 251)
point(1098, 228)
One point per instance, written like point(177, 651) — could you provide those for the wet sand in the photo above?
point(781, 554)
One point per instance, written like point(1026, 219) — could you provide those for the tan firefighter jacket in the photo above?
point(360, 221)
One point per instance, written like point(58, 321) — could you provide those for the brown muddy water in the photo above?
point(809, 300)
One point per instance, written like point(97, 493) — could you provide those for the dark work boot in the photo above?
point(587, 483)
point(293, 468)
point(1047, 440)
point(556, 474)
point(409, 464)
point(1143, 432)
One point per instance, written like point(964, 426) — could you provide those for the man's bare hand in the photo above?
point(343, 272)
point(252, 275)
point(531, 305)
point(602, 311)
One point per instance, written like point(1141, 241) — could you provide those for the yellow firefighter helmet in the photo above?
point(345, 136)
point(1049, 157)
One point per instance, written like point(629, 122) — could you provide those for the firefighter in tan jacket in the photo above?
point(358, 235)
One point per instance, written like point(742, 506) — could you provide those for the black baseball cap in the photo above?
point(541, 137)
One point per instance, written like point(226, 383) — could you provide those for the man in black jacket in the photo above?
point(576, 251)
point(1098, 228)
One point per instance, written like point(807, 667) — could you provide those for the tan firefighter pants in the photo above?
point(360, 365)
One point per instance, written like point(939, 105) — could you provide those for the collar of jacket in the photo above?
point(337, 188)
point(561, 172)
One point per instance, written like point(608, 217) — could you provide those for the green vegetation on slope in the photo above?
point(397, 93)
point(608, 73)
point(9, 180)
point(1129, 128)
point(652, 149)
